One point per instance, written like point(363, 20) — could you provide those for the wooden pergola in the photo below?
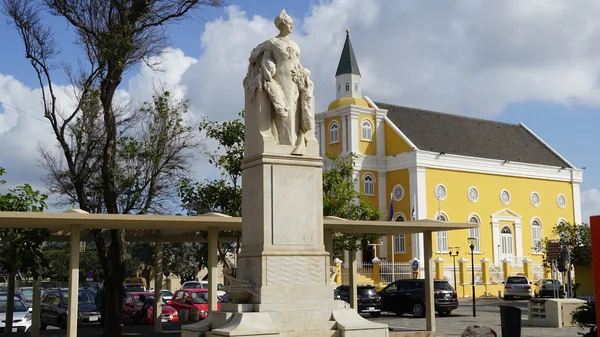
point(159, 229)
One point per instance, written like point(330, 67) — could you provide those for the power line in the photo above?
point(23, 111)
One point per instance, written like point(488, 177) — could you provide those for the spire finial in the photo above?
point(347, 32)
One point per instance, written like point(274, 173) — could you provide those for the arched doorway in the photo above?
point(506, 239)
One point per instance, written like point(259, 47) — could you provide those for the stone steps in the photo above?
point(330, 333)
point(317, 326)
point(300, 316)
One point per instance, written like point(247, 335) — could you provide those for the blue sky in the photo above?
point(535, 62)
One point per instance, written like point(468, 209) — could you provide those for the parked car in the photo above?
point(547, 287)
point(133, 304)
point(54, 308)
point(135, 288)
point(517, 287)
point(167, 295)
point(21, 315)
point(26, 294)
point(404, 296)
point(204, 285)
point(368, 301)
point(190, 299)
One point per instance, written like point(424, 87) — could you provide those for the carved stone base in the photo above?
point(288, 320)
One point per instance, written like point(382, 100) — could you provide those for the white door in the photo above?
point(506, 239)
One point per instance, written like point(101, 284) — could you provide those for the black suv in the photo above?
point(368, 301)
point(409, 296)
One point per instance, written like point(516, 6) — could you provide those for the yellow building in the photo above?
point(433, 165)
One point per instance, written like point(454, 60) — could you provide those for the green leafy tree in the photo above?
point(579, 240)
point(22, 247)
point(341, 199)
point(223, 195)
point(57, 255)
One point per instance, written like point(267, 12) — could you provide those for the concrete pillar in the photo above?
point(485, 271)
point(73, 281)
point(439, 268)
point(462, 274)
point(213, 242)
point(547, 272)
point(338, 266)
point(352, 278)
point(506, 268)
point(158, 278)
point(429, 288)
point(35, 315)
point(10, 302)
point(527, 268)
point(376, 272)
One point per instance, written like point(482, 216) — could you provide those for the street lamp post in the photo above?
point(472, 242)
point(454, 253)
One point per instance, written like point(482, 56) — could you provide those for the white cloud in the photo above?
point(469, 57)
point(590, 204)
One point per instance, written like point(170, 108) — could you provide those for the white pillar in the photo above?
point(213, 241)
point(10, 302)
point(496, 241)
point(36, 300)
point(73, 281)
point(418, 186)
point(429, 287)
point(344, 134)
point(519, 242)
point(322, 130)
point(158, 279)
point(353, 131)
point(352, 278)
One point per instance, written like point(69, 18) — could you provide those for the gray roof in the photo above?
point(347, 64)
point(473, 137)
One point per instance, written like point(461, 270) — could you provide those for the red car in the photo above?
point(133, 304)
point(190, 299)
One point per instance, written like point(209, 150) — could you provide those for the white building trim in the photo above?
point(517, 237)
point(545, 144)
point(400, 133)
point(353, 131)
point(418, 188)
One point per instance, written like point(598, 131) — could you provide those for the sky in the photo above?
point(535, 62)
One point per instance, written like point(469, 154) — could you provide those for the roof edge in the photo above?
point(400, 133)
point(539, 139)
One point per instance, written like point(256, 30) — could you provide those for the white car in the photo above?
point(204, 285)
point(166, 294)
point(21, 315)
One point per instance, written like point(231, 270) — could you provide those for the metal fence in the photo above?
point(391, 272)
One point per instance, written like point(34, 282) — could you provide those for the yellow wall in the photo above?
point(585, 277)
point(367, 147)
point(335, 148)
point(458, 207)
point(394, 144)
point(393, 178)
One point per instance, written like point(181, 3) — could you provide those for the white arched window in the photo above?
point(474, 232)
point(442, 237)
point(367, 130)
point(536, 235)
point(355, 86)
point(334, 132)
point(347, 86)
point(368, 184)
point(399, 240)
point(506, 239)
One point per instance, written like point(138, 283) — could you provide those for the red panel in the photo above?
point(595, 228)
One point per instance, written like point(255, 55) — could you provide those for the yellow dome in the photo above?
point(347, 101)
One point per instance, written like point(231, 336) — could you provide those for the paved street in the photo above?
point(488, 314)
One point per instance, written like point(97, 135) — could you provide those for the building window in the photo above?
point(367, 130)
point(473, 194)
point(474, 232)
point(398, 192)
point(534, 198)
point(440, 191)
point(562, 222)
point(442, 237)
point(561, 201)
point(334, 132)
point(505, 197)
point(506, 239)
point(339, 87)
point(347, 86)
point(355, 86)
point(536, 235)
point(368, 184)
point(399, 240)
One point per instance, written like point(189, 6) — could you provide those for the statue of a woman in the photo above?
point(275, 69)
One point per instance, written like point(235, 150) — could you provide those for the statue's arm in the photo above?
point(268, 66)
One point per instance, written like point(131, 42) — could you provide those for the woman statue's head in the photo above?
point(284, 23)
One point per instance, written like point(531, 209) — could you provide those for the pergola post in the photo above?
point(36, 301)
point(352, 277)
point(73, 281)
point(213, 242)
point(429, 286)
point(10, 301)
point(158, 279)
